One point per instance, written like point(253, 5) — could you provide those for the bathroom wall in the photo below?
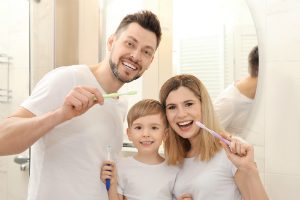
point(275, 125)
point(14, 76)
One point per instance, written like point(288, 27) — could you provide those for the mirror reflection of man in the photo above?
point(234, 104)
point(68, 130)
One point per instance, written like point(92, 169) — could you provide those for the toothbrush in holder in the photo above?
point(108, 157)
point(198, 123)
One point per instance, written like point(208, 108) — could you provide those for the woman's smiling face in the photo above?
point(182, 109)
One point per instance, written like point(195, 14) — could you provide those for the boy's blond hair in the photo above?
point(144, 108)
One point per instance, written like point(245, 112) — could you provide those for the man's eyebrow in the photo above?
point(135, 40)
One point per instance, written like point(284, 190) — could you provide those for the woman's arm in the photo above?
point(247, 176)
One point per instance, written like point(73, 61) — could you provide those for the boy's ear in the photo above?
point(128, 134)
point(166, 134)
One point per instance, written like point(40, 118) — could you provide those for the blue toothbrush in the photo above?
point(108, 157)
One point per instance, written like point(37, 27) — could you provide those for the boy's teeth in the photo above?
point(146, 142)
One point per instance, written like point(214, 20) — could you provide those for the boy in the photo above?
point(145, 175)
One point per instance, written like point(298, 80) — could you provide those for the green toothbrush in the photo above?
point(114, 95)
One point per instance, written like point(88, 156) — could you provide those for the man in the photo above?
point(234, 104)
point(68, 131)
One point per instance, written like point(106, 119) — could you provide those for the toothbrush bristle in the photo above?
point(132, 92)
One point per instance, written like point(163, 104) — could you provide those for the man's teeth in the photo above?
point(129, 66)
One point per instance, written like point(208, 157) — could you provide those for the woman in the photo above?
point(206, 172)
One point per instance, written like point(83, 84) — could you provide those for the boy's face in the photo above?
point(147, 133)
point(131, 52)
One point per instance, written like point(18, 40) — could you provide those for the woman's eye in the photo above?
point(171, 107)
point(189, 104)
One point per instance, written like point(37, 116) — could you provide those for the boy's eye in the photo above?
point(137, 128)
point(155, 128)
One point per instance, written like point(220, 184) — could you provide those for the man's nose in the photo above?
point(136, 55)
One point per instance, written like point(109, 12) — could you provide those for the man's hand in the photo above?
point(79, 100)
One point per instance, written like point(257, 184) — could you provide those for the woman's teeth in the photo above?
point(185, 124)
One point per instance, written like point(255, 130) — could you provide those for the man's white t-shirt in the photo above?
point(233, 109)
point(65, 163)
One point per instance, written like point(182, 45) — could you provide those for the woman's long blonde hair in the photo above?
point(176, 147)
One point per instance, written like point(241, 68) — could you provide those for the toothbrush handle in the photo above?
point(221, 138)
point(107, 184)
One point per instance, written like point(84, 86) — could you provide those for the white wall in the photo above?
point(14, 42)
point(276, 123)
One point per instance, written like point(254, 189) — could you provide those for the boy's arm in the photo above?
point(109, 171)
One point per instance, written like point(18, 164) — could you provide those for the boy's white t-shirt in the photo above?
point(139, 181)
point(65, 163)
point(211, 180)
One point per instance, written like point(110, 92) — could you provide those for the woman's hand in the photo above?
point(240, 153)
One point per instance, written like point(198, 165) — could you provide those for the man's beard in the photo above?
point(114, 69)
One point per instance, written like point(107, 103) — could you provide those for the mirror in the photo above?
point(226, 34)
point(212, 40)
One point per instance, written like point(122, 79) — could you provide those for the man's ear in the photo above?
point(128, 134)
point(110, 42)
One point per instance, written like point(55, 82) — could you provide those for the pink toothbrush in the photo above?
point(198, 123)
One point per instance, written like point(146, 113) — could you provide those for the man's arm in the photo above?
point(19, 131)
point(22, 129)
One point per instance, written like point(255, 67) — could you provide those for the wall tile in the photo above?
point(282, 118)
point(280, 186)
point(283, 33)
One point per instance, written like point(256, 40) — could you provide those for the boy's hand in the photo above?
point(108, 171)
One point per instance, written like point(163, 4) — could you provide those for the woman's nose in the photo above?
point(181, 112)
